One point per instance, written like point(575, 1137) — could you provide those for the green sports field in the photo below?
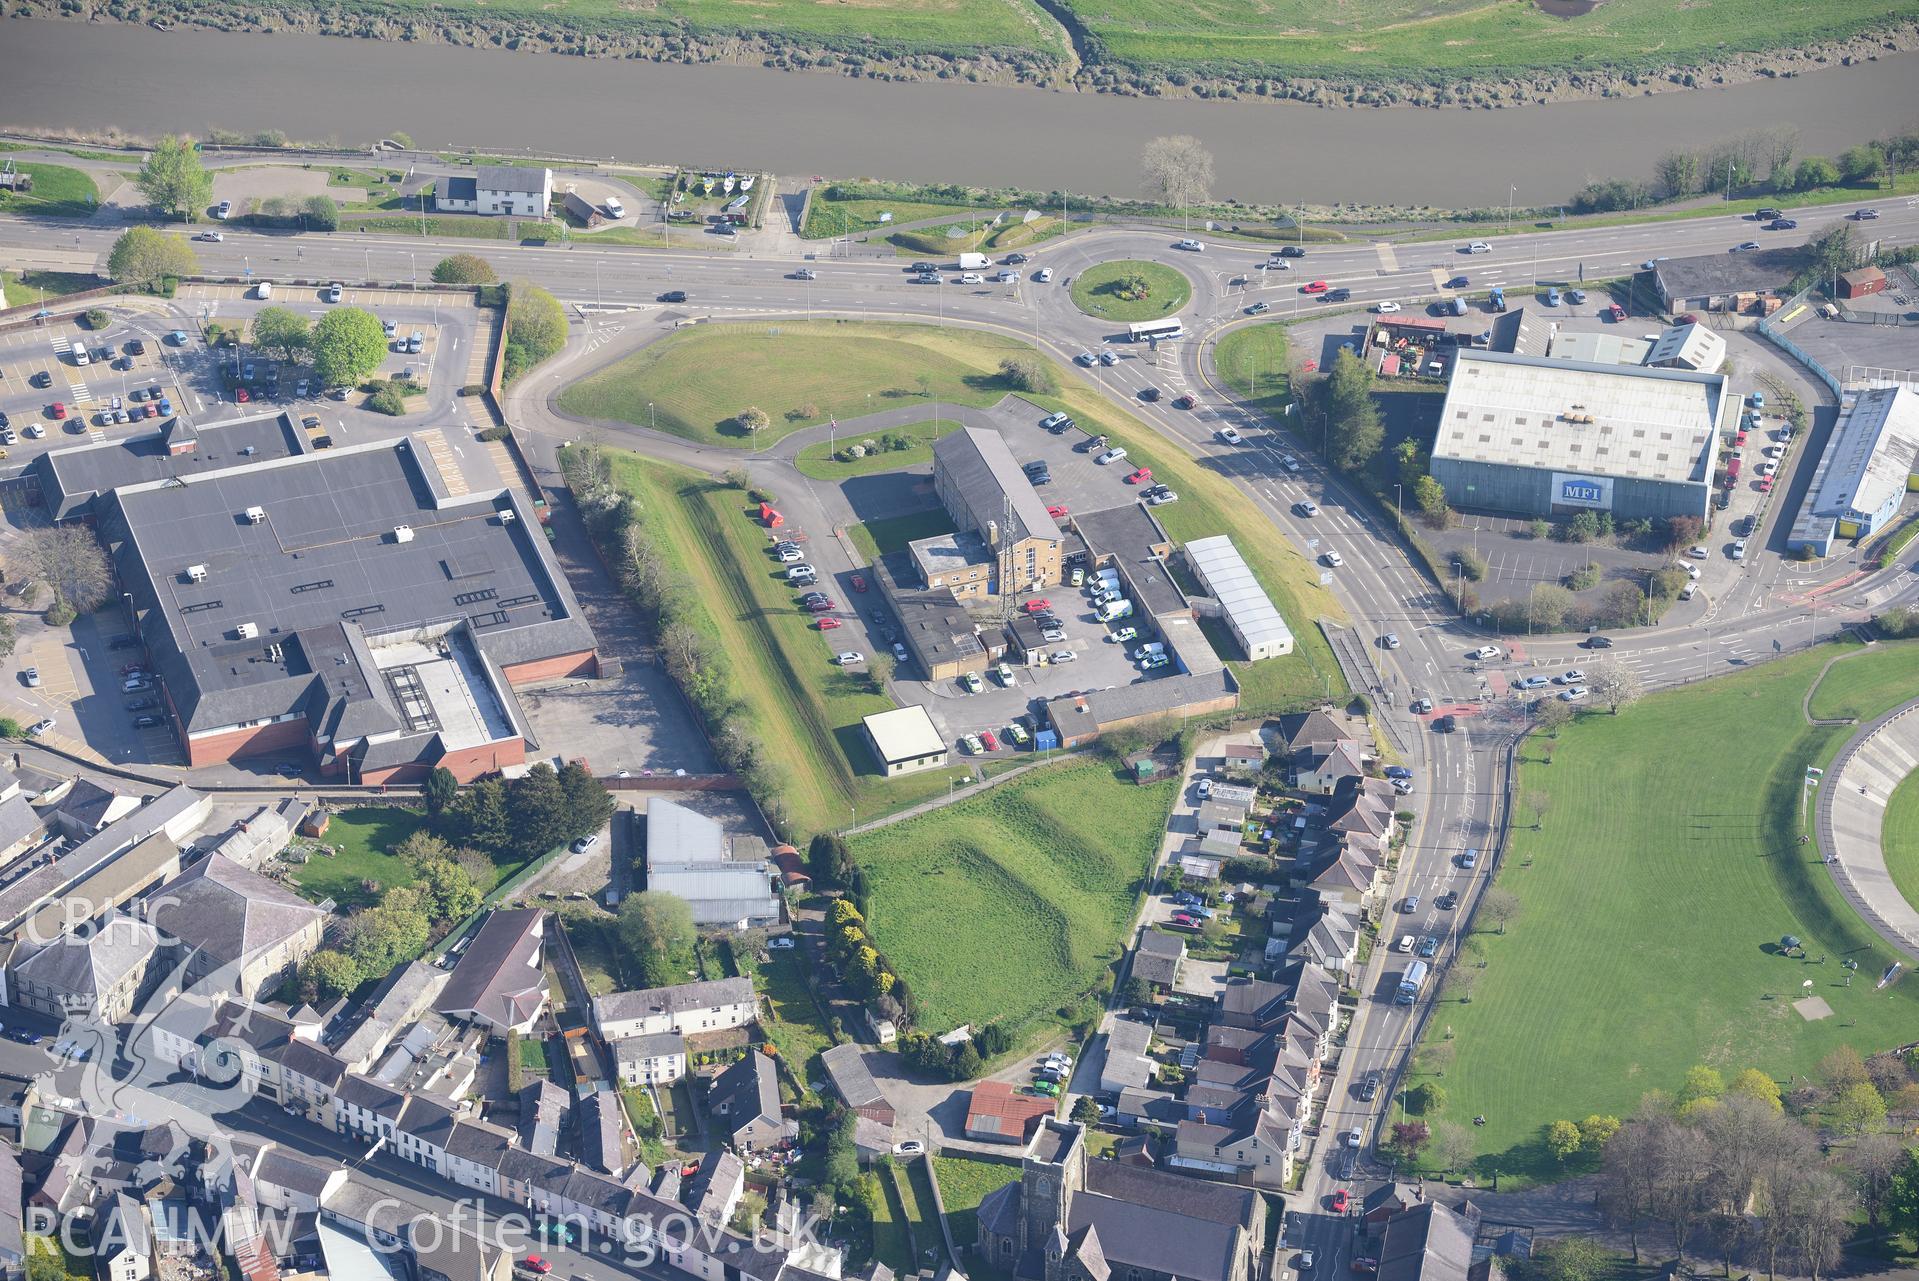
point(1009, 904)
point(1438, 40)
point(1652, 903)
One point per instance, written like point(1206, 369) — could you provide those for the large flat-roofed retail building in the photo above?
point(1543, 437)
point(1870, 463)
point(348, 604)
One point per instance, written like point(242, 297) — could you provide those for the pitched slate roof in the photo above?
point(681, 998)
point(499, 978)
point(229, 913)
point(1166, 1223)
point(1426, 1243)
point(748, 1090)
point(89, 964)
point(980, 466)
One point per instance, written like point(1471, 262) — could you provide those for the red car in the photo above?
point(1056, 512)
point(859, 583)
point(1687, 319)
point(534, 1263)
point(828, 624)
point(1365, 1263)
point(1341, 1201)
point(1038, 606)
point(1616, 313)
point(1739, 439)
point(1765, 485)
point(987, 740)
point(241, 395)
point(1184, 402)
point(822, 605)
point(153, 410)
point(1314, 287)
point(59, 409)
point(1140, 477)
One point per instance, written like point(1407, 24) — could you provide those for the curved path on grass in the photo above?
point(1851, 822)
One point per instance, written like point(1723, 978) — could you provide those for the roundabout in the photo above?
point(1111, 290)
point(1864, 806)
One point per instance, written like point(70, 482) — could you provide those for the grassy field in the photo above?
point(1647, 936)
point(877, 538)
point(596, 944)
point(1853, 689)
point(794, 1027)
point(1252, 360)
point(1009, 904)
point(1096, 291)
point(700, 379)
point(1900, 838)
point(964, 1183)
point(58, 192)
point(818, 462)
point(806, 710)
point(1437, 40)
point(23, 287)
point(362, 840)
point(826, 217)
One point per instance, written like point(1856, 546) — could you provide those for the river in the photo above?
point(87, 76)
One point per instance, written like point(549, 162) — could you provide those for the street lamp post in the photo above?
point(651, 416)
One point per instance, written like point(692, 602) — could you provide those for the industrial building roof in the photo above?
point(1874, 448)
point(978, 463)
point(1601, 348)
point(72, 478)
point(1692, 346)
point(1579, 416)
point(1710, 275)
point(905, 734)
point(259, 586)
point(1230, 580)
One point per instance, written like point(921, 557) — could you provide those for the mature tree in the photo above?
point(535, 327)
point(1408, 1138)
point(320, 213)
point(1596, 1131)
point(1548, 606)
point(1863, 163)
point(1178, 171)
point(1754, 1084)
point(481, 818)
point(1903, 1103)
point(464, 269)
point(1426, 1099)
point(1741, 1134)
point(1815, 1222)
point(1497, 906)
point(1858, 1109)
point(143, 255)
point(657, 927)
point(281, 330)
point(828, 859)
point(1702, 1082)
point(1677, 173)
point(1354, 432)
point(1628, 1175)
point(68, 560)
point(753, 420)
point(421, 848)
point(450, 892)
point(1086, 1111)
point(539, 808)
point(440, 790)
point(1842, 1068)
point(1562, 1140)
point(1684, 1173)
point(1028, 373)
point(1430, 496)
point(347, 345)
point(1874, 1162)
point(1453, 1146)
point(1615, 684)
point(1551, 714)
point(389, 935)
point(1902, 1199)
point(328, 973)
point(1814, 171)
point(1888, 1071)
point(173, 179)
point(1460, 982)
point(589, 806)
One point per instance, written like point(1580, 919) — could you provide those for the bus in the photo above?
point(1151, 330)
point(1410, 983)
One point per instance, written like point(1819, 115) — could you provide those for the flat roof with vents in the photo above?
point(1582, 417)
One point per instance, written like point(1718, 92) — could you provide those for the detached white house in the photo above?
point(497, 189)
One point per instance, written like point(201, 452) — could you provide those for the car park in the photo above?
point(1055, 420)
point(1140, 476)
point(40, 727)
point(57, 409)
point(1062, 656)
point(34, 431)
point(335, 291)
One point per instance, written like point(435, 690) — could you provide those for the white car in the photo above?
point(40, 727)
point(1113, 455)
point(1043, 275)
point(1333, 558)
point(335, 291)
point(35, 431)
point(1479, 247)
point(909, 1147)
point(972, 278)
point(1231, 436)
point(1739, 549)
point(215, 236)
point(1386, 308)
point(1306, 508)
point(1483, 653)
point(791, 555)
point(848, 657)
point(1405, 943)
point(1571, 676)
point(1572, 695)
point(1769, 469)
point(223, 210)
point(1290, 463)
point(1191, 246)
point(1062, 656)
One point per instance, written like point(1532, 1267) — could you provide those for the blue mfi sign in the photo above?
point(1582, 491)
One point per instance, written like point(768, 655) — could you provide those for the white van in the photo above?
point(80, 356)
point(1115, 610)
point(1148, 650)
point(264, 289)
point(614, 209)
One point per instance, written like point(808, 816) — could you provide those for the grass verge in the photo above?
point(58, 192)
point(817, 460)
point(1647, 936)
point(1010, 904)
point(964, 1183)
point(1096, 291)
point(1900, 838)
point(24, 287)
point(882, 537)
point(1252, 360)
point(794, 1024)
point(466, 226)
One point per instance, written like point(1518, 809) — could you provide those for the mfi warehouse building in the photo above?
point(1862, 478)
point(352, 604)
point(1543, 437)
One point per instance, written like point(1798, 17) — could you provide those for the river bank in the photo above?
point(1046, 46)
point(752, 119)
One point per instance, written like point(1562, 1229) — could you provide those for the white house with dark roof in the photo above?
point(687, 1008)
point(123, 1240)
point(516, 190)
point(657, 1058)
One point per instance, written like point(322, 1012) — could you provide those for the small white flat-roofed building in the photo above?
point(1249, 612)
point(1870, 463)
point(1543, 437)
point(1691, 346)
point(905, 740)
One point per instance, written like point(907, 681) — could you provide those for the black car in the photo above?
point(1291, 251)
point(921, 268)
point(136, 348)
point(147, 722)
point(1369, 1086)
point(1597, 642)
point(1338, 295)
point(1149, 393)
point(1448, 901)
point(1014, 260)
point(1782, 224)
point(4, 420)
point(1444, 725)
point(673, 295)
point(41, 379)
point(142, 704)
